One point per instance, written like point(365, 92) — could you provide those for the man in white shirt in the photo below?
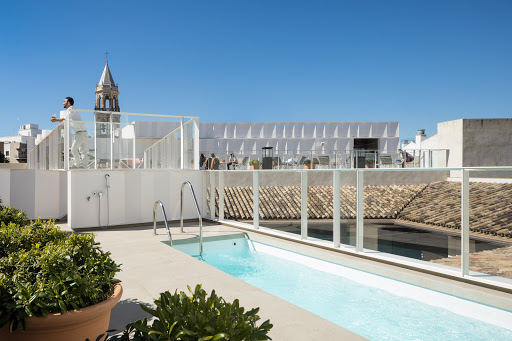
point(78, 148)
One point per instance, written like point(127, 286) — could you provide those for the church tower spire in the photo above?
point(107, 99)
point(107, 92)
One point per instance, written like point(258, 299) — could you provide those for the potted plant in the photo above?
point(369, 163)
point(310, 164)
point(198, 317)
point(54, 285)
point(255, 164)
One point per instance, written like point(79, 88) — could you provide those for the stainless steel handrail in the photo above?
point(198, 213)
point(165, 220)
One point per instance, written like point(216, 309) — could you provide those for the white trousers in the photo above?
point(79, 150)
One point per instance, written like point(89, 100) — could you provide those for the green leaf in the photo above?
point(219, 336)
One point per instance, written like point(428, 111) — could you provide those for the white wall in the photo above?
point(450, 137)
point(487, 142)
point(131, 196)
point(39, 193)
point(5, 186)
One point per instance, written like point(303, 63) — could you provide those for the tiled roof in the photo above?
point(497, 262)
point(437, 204)
point(490, 207)
point(283, 202)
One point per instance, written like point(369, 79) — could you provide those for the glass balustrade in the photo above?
point(412, 216)
point(112, 140)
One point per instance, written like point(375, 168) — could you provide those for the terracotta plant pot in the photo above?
point(369, 166)
point(89, 322)
point(310, 166)
point(253, 167)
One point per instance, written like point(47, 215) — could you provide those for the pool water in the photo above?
point(375, 307)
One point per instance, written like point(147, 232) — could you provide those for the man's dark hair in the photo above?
point(70, 100)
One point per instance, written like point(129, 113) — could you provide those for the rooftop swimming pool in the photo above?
point(373, 306)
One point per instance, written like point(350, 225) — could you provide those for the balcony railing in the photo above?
point(434, 219)
point(117, 140)
point(338, 159)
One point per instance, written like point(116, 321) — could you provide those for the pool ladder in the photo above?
point(158, 202)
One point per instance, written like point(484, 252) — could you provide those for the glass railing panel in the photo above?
point(412, 213)
point(173, 154)
point(320, 204)
point(123, 146)
point(188, 144)
point(280, 200)
point(157, 141)
point(347, 207)
point(57, 147)
point(100, 145)
point(214, 194)
point(490, 225)
point(238, 196)
point(207, 191)
point(47, 150)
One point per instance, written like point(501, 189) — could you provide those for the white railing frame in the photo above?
point(337, 173)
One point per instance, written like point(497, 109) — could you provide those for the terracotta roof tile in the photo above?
point(283, 202)
point(490, 207)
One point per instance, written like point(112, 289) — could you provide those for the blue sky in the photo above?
point(416, 62)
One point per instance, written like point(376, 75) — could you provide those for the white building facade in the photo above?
point(244, 137)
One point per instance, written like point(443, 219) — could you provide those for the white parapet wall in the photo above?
point(40, 194)
point(131, 196)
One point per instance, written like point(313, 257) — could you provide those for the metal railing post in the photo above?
point(256, 199)
point(359, 210)
point(336, 208)
point(66, 145)
point(182, 144)
point(465, 223)
point(95, 144)
point(212, 195)
point(221, 195)
point(134, 155)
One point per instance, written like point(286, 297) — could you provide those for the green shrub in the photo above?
point(11, 215)
point(180, 317)
point(254, 162)
point(15, 238)
point(44, 270)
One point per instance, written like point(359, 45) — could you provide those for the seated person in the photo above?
point(232, 161)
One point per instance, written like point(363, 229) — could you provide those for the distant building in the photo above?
point(15, 148)
point(470, 142)
point(299, 136)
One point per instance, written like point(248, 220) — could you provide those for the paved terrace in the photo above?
point(150, 267)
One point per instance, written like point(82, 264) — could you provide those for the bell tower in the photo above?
point(107, 99)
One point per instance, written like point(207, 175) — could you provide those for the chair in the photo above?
point(301, 161)
point(386, 161)
point(243, 164)
point(323, 161)
point(276, 162)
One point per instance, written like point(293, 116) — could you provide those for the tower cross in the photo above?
point(106, 55)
